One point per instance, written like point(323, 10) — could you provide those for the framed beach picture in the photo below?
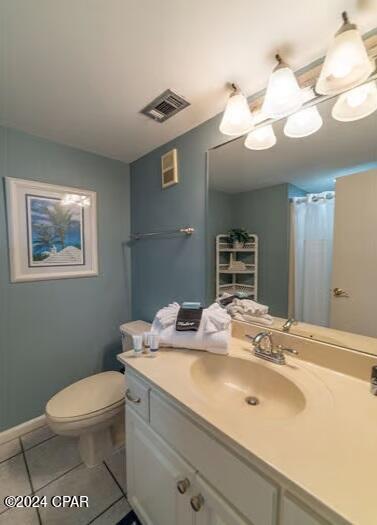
point(52, 231)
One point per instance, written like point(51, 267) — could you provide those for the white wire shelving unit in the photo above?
point(231, 280)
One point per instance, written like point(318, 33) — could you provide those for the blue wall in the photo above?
point(266, 213)
point(170, 269)
point(220, 219)
point(55, 332)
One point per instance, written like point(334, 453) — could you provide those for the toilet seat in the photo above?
point(87, 398)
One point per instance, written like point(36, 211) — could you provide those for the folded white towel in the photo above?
point(260, 319)
point(168, 315)
point(250, 307)
point(213, 334)
point(216, 342)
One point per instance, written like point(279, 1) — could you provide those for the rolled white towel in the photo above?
point(215, 319)
point(168, 315)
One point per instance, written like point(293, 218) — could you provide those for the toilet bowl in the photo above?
point(91, 409)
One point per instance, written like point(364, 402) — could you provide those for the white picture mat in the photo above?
point(16, 191)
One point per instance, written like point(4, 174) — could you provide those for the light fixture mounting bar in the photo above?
point(307, 76)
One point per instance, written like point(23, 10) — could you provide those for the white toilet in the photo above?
point(93, 410)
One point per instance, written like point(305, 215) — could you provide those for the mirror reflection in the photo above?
point(309, 208)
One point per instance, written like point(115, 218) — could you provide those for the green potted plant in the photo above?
point(238, 237)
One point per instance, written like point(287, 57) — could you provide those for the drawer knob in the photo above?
point(183, 485)
point(197, 502)
point(131, 398)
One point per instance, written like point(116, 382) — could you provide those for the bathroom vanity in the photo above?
point(198, 451)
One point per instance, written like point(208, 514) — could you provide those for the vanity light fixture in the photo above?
point(237, 119)
point(261, 138)
point(356, 104)
point(305, 122)
point(283, 94)
point(347, 63)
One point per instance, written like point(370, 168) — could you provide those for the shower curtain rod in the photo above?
point(326, 195)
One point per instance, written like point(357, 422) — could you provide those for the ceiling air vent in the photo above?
point(165, 106)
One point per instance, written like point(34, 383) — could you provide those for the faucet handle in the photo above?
point(283, 349)
point(288, 323)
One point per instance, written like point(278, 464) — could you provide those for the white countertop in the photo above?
point(328, 449)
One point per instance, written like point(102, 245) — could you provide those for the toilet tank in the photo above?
point(127, 330)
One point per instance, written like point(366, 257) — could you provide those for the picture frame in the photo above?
point(169, 169)
point(52, 231)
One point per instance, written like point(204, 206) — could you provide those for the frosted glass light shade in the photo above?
point(237, 119)
point(261, 138)
point(283, 94)
point(303, 123)
point(346, 64)
point(358, 103)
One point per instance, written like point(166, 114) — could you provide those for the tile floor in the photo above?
point(42, 463)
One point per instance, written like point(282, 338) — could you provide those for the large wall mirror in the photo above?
point(312, 203)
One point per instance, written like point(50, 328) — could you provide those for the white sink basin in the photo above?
point(229, 383)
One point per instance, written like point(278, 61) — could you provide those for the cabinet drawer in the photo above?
point(297, 514)
point(245, 488)
point(137, 395)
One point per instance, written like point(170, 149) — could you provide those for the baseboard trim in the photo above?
point(23, 428)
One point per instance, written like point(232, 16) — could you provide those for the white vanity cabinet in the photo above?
point(294, 513)
point(158, 480)
point(179, 473)
point(163, 488)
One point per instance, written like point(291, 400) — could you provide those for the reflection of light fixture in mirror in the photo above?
point(283, 94)
point(305, 122)
point(261, 138)
point(347, 63)
point(237, 119)
point(73, 198)
point(356, 104)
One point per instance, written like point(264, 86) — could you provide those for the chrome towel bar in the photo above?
point(187, 231)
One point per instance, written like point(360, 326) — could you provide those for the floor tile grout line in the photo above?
point(59, 477)
point(27, 467)
point(10, 457)
point(29, 476)
point(22, 435)
point(25, 449)
point(40, 442)
point(114, 478)
point(105, 510)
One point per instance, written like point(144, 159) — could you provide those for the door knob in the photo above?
point(338, 292)
point(197, 502)
point(183, 485)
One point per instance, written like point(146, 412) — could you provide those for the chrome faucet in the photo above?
point(373, 381)
point(269, 352)
point(288, 323)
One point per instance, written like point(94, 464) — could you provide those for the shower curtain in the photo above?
point(312, 223)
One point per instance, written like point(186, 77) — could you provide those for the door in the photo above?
point(354, 279)
point(209, 508)
point(158, 481)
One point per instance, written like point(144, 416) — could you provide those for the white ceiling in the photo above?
point(311, 163)
point(79, 71)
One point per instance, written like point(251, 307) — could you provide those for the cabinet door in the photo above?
point(209, 508)
point(296, 514)
point(154, 472)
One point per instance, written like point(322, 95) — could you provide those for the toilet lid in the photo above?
point(92, 394)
